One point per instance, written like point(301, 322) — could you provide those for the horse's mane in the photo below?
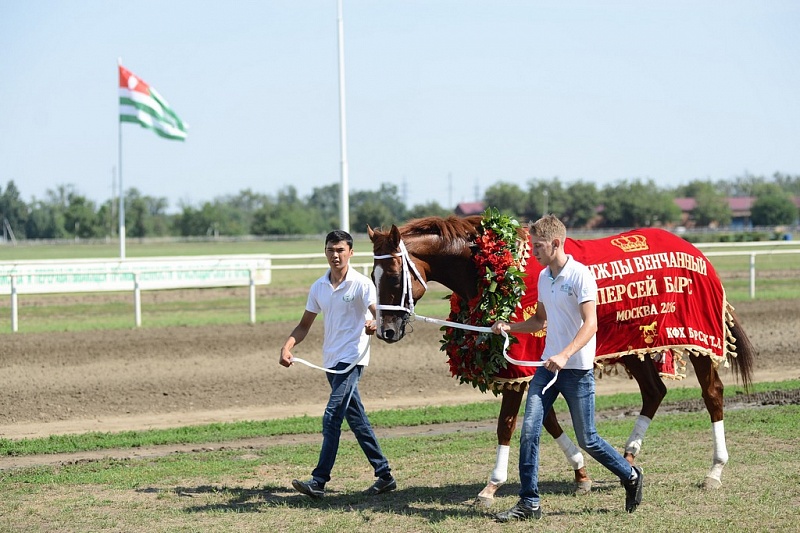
point(449, 229)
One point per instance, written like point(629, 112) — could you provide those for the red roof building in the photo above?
point(470, 208)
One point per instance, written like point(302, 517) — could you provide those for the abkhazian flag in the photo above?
point(141, 104)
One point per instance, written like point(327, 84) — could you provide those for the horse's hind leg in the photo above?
point(653, 392)
point(573, 454)
point(713, 389)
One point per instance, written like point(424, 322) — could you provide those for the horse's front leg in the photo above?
point(653, 392)
point(713, 389)
point(506, 424)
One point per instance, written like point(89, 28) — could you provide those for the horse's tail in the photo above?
point(745, 353)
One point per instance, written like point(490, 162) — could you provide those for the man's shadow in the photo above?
point(434, 504)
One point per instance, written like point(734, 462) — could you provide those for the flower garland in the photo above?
point(477, 357)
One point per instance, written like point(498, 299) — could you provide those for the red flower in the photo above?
point(475, 357)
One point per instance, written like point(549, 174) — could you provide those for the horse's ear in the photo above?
point(394, 234)
point(370, 233)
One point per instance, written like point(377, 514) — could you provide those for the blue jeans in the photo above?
point(577, 387)
point(345, 402)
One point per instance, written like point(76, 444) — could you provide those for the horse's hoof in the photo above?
point(484, 501)
point(583, 487)
point(486, 496)
point(711, 483)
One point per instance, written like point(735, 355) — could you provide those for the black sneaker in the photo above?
point(521, 511)
point(381, 485)
point(633, 491)
point(312, 488)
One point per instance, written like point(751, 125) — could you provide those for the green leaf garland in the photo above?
point(477, 357)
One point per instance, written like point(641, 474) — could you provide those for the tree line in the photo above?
point(65, 213)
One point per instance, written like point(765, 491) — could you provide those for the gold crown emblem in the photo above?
point(631, 243)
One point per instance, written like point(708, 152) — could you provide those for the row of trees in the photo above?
point(639, 203)
point(64, 213)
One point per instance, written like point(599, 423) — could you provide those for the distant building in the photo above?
point(740, 210)
point(741, 207)
point(470, 208)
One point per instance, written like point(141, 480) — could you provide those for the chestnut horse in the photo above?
point(441, 249)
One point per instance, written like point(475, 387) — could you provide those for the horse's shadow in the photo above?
point(431, 503)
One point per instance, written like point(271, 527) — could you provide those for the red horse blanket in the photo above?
point(657, 295)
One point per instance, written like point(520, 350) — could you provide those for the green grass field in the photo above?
point(248, 490)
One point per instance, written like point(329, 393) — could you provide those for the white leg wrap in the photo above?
point(720, 450)
point(634, 444)
point(500, 472)
point(571, 452)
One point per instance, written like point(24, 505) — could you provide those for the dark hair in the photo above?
point(339, 235)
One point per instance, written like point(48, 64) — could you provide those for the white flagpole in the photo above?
point(344, 209)
point(121, 188)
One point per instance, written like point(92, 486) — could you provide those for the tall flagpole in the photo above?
point(344, 209)
point(121, 188)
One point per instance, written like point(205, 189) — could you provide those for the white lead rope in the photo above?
point(484, 329)
point(480, 329)
point(350, 367)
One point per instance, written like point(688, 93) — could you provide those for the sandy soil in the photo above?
point(60, 383)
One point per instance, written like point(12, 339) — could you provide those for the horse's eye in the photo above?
point(394, 280)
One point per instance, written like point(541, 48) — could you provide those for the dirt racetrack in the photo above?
point(59, 383)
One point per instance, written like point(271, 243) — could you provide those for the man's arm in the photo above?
point(298, 334)
point(371, 326)
point(535, 323)
point(588, 312)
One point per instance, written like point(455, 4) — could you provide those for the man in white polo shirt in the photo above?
point(347, 300)
point(567, 307)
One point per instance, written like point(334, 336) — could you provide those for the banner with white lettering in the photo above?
point(654, 290)
point(656, 293)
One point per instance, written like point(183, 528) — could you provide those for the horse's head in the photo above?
point(397, 280)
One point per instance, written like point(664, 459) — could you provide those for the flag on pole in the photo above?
point(141, 104)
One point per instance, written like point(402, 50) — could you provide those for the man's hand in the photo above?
point(500, 326)
point(370, 327)
point(286, 357)
point(556, 363)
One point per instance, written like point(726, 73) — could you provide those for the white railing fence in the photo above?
point(159, 273)
point(752, 268)
point(136, 275)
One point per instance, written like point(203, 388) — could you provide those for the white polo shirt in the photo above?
point(344, 309)
point(562, 297)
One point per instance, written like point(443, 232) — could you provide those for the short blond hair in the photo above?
point(548, 227)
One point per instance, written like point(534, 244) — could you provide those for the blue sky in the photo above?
point(444, 98)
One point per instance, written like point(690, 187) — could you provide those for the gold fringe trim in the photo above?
point(509, 384)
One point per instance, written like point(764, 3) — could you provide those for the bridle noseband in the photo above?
point(407, 267)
